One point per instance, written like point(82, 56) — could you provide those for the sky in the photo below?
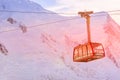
point(74, 6)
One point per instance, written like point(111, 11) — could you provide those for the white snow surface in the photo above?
point(45, 52)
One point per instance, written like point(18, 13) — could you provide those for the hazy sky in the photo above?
point(73, 6)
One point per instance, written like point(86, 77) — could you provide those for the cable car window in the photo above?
point(76, 53)
point(84, 51)
point(90, 52)
point(80, 51)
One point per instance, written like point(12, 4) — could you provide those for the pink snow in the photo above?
point(45, 52)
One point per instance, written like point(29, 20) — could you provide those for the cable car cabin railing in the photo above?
point(87, 52)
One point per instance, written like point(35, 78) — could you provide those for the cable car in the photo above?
point(90, 50)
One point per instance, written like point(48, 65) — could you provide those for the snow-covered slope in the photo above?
point(24, 5)
point(45, 52)
point(21, 11)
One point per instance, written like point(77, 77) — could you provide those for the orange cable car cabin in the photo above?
point(90, 50)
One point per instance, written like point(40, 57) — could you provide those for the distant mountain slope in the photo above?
point(21, 5)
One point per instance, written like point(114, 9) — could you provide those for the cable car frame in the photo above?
point(90, 50)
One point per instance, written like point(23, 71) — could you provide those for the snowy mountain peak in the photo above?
point(21, 5)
